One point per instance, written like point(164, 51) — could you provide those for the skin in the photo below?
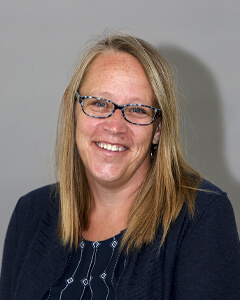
point(114, 176)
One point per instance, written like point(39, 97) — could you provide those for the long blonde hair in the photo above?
point(170, 181)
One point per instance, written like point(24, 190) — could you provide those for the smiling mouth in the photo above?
point(110, 147)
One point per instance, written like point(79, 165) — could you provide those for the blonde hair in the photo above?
point(170, 181)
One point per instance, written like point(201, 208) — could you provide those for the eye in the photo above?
point(99, 103)
point(138, 110)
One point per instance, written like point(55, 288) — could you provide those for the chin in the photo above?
point(108, 177)
point(105, 175)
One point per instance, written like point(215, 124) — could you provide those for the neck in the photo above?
point(110, 198)
point(111, 205)
point(115, 194)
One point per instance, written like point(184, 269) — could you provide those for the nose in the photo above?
point(116, 122)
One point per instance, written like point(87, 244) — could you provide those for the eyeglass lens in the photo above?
point(101, 108)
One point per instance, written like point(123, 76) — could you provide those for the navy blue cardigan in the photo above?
point(200, 258)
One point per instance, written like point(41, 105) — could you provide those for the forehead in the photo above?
point(117, 72)
point(116, 60)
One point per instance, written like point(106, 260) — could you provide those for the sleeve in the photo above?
point(208, 261)
point(8, 260)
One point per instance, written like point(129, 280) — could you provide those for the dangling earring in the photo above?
point(153, 149)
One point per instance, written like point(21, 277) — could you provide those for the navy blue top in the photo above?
point(89, 272)
point(200, 258)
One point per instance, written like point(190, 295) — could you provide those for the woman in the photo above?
point(129, 218)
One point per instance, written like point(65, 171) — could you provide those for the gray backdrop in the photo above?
point(40, 43)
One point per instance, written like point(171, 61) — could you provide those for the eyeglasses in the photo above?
point(137, 114)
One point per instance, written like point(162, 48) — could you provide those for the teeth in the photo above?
point(110, 147)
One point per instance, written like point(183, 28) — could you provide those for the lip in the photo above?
point(111, 147)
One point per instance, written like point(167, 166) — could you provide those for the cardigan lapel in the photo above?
point(45, 260)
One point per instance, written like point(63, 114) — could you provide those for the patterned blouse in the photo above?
point(89, 272)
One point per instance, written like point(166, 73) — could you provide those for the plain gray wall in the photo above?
point(41, 42)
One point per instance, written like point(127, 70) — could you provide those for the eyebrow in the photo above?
point(108, 96)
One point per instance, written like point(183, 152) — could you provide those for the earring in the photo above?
point(153, 149)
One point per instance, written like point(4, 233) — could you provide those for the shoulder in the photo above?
point(208, 248)
point(39, 196)
point(211, 199)
point(31, 206)
point(208, 192)
point(212, 223)
point(31, 229)
point(214, 215)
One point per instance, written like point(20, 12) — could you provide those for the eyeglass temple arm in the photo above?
point(77, 95)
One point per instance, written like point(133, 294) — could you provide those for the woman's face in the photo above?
point(118, 77)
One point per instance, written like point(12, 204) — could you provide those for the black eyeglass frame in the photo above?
point(116, 106)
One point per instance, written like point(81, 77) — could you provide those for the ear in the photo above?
point(156, 135)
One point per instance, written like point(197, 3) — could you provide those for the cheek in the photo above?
point(86, 129)
point(81, 122)
point(80, 133)
point(144, 137)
